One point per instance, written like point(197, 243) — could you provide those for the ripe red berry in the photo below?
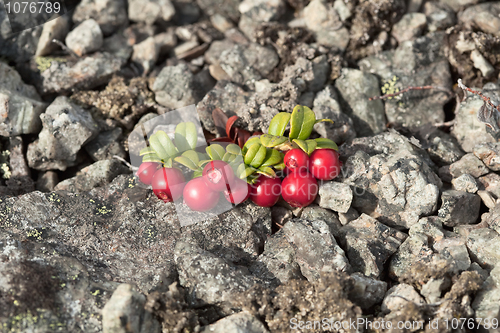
point(218, 175)
point(238, 192)
point(266, 191)
point(299, 189)
point(296, 159)
point(168, 184)
point(324, 164)
point(198, 196)
point(146, 172)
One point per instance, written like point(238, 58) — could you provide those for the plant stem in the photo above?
point(486, 99)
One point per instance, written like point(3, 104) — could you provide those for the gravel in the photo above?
point(85, 38)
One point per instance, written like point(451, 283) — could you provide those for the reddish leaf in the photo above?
point(220, 120)
point(234, 133)
point(230, 125)
point(221, 139)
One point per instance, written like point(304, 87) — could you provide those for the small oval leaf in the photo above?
point(155, 143)
point(259, 157)
point(271, 141)
point(272, 157)
point(301, 122)
point(278, 124)
point(197, 173)
point(233, 149)
point(168, 163)
point(326, 144)
point(267, 171)
point(184, 136)
point(215, 151)
point(167, 144)
point(311, 145)
point(250, 142)
point(280, 166)
point(151, 158)
point(246, 171)
point(186, 162)
point(146, 150)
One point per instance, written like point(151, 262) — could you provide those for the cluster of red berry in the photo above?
point(299, 188)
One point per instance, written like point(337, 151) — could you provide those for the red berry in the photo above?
point(324, 164)
point(198, 196)
point(299, 189)
point(238, 192)
point(266, 191)
point(146, 172)
point(168, 184)
point(218, 175)
point(296, 159)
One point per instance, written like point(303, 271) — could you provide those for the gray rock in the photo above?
point(459, 4)
point(468, 164)
point(465, 183)
point(483, 17)
point(54, 29)
point(254, 13)
point(418, 62)
point(390, 178)
point(247, 64)
point(456, 248)
point(399, 295)
point(479, 244)
point(47, 181)
point(221, 23)
point(145, 54)
point(224, 8)
point(367, 291)
point(487, 300)
point(459, 208)
point(313, 213)
point(106, 145)
point(489, 153)
point(417, 249)
point(237, 235)
point(468, 130)
point(487, 198)
point(117, 44)
point(481, 63)
point(410, 26)
point(109, 14)
point(322, 18)
point(443, 148)
point(209, 278)
point(335, 196)
point(315, 247)
point(226, 96)
point(439, 16)
point(493, 218)
point(96, 174)
point(85, 38)
point(66, 128)
point(355, 88)
point(369, 244)
point(19, 47)
point(151, 11)
point(433, 289)
point(340, 131)
point(490, 183)
point(176, 87)
point(124, 312)
point(166, 42)
point(351, 215)
point(242, 322)
point(216, 48)
point(20, 104)
point(87, 73)
point(277, 264)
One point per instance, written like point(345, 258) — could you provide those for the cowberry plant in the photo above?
point(223, 170)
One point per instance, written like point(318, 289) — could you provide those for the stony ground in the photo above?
point(409, 234)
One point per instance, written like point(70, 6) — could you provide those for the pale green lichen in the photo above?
point(44, 63)
point(389, 87)
point(4, 164)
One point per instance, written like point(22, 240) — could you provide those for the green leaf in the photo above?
point(278, 123)
point(146, 150)
point(186, 136)
point(271, 141)
point(245, 171)
point(323, 120)
point(280, 166)
point(151, 158)
point(215, 151)
point(168, 163)
point(197, 173)
point(267, 171)
point(157, 145)
point(272, 157)
point(250, 142)
point(326, 144)
point(306, 145)
point(202, 163)
point(228, 157)
point(189, 159)
point(301, 122)
point(255, 155)
point(233, 149)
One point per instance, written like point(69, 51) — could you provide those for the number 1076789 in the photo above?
point(33, 7)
